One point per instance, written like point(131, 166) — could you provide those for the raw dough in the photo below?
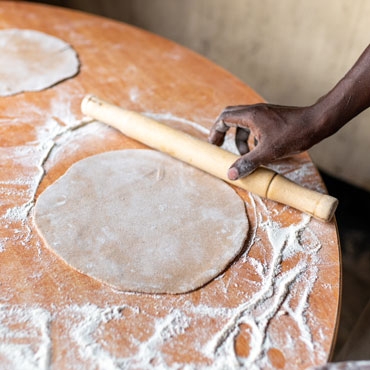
point(32, 61)
point(142, 221)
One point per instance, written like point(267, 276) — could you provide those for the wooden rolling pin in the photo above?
point(209, 158)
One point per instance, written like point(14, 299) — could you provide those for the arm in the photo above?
point(280, 131)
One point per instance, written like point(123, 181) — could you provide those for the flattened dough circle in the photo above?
point(142, 221)
point(32, 61)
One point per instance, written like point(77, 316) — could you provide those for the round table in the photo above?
point(275, 307)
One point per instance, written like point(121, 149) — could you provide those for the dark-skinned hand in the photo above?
point(280, 131)
point(276, 131)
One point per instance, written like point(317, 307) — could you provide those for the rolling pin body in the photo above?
point(209, 158)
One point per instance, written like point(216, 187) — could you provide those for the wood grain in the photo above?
point(275, 306)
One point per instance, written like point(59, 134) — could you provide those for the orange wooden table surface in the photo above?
point(277, 305)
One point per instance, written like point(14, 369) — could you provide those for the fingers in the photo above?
point(247, 163)
point(242, 167)
point(217, 133)
point(266, 123)
point(241, 140)
point(228, 118)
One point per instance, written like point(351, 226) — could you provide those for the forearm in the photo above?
point(347, 99)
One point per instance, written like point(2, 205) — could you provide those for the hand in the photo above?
point(280, 131)
point(277, 132)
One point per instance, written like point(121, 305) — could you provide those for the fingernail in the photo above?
point(233, 173)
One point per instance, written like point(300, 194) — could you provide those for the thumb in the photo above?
point(246, 164)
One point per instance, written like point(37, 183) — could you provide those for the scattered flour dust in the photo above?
point(19, 327)
point(27, 332)
point(276, 291)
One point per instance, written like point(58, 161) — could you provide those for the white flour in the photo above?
point(170, 117)
point(83, 324)
point(25, 341)
point(278, 287)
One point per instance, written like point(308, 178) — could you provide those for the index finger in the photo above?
point(217, 133)
point(222, 124)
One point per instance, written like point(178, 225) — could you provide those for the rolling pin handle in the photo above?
point(318, 205)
